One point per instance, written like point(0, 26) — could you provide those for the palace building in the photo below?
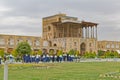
point(62, 32)
point(65, 33)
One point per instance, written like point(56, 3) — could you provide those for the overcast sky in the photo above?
point(24, 17)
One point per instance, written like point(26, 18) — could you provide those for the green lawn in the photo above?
point(62, 71)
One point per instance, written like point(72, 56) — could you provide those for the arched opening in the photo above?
point(50, 43)
point(9, 50)
point(55, 45)
point(51, 51)
point(44, 51)
point(49, 28)
point(59, 19)
point(82, 48)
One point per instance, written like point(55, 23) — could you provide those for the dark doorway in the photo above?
point(55, 45)
point(51, 51)
point(82, 48)
point(44, 51)
point(50, 43)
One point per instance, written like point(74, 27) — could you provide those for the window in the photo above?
point(75, 43)
point(49, 28)
point(19, 40)
point(90, 44)
point(37, 43)
point(11, 41)
point(112, 46)
point(55, 45)
point(2, 41)
point(117, 45)
point(108, 45)
point(63, 44)
point(29, 41)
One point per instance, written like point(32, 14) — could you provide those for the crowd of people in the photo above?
point(41, 58)
point(48, 58)
point(0, 59)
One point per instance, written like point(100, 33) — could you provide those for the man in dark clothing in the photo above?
point(53, 58)
point(0, 59)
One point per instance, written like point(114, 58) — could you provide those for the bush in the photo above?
point(90, 55)
point(71, 52)
point(60, 52)
point(23, 48)
point(2, 53)
point(100, 53)
point(111, 54)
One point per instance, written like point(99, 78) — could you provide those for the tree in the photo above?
point(101, 54)
point(77, 53)
point(90, 55)
point(2, 53)
point(71, 52)
point(23, 48)
point(116, 55)
point(111, 54)
point(51, 52)
point(60, 52)
point(14, 53)
point(39, 52)
point(32, 52)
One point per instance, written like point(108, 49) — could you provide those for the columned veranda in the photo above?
point(89, 32)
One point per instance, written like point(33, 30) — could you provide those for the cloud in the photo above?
point(19, 20)
point(4, 9)
point(24, 17)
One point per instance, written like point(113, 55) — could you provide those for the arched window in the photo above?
point(108, 45)
point(37, 43)
point(49, 28)
point(82, 48)
point(55, 45)
point(29, 41)
point(2, 41)
point(50, 43)
point(90, 44)
point(112, 46)
point(117, 45)
point(75, 43)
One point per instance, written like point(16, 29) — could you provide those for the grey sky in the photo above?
point(23, 17)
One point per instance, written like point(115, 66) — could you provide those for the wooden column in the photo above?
point(82, 33)
point(70, 30)
point(96, 31)
point(67, 30)
point(91, 31)
point(86, 32)
point(63, 30)
point(79, 33)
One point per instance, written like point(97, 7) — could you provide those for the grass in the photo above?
point(61, 71)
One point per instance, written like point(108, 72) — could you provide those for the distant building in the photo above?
point(62, 32)
point(9, 42)
point(109, 45)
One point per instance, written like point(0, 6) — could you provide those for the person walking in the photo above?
point(11, 58)
point(0, 60)
point(37, 58)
